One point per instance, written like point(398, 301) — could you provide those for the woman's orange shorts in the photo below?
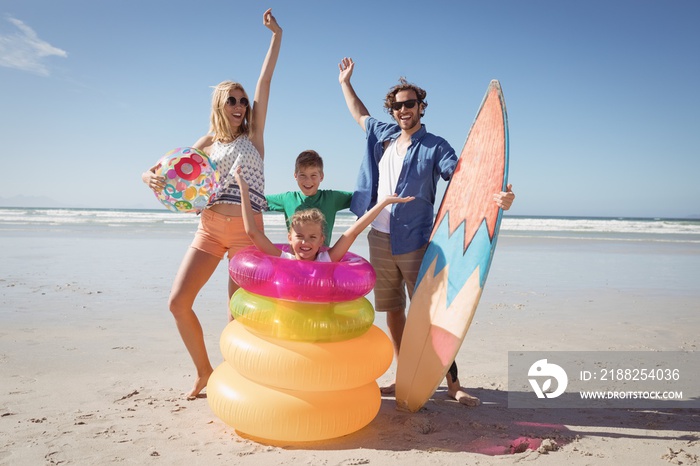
point(218, 234)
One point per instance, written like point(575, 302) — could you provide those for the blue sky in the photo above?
point(602, 96)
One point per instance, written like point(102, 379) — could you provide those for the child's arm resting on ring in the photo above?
point(258, 237)
point(338, 250)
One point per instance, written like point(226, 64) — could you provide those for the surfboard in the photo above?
point(457, 259)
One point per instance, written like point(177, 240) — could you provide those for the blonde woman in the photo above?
point(235, 139)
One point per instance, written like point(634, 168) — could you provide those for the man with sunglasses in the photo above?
point(402, 158)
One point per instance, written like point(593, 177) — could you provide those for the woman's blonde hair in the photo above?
point(219, 125)
point(313, 215)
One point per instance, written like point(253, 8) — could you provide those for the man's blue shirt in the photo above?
point(428, 158)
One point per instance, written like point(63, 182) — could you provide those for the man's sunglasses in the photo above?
point(408, 103)
point(232, 101)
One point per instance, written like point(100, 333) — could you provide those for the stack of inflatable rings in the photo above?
point(299, 369)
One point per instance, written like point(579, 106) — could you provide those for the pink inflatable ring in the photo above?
point(317, 282)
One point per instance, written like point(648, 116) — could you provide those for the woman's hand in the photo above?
point(156, 183)
point(270, 22)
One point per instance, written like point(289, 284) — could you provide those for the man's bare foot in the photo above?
point(454, 390)
point(199, 384)
point(388, 390)
point(464, 398)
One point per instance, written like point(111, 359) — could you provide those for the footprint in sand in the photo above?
point(353, 462)
point(422, 426)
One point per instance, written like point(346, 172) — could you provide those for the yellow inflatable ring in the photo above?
point(302, 321)
point(297, 365)
point(289, 415)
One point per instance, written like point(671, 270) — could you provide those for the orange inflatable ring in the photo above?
point(302, 321)
point(298, 365)
point(289, 415)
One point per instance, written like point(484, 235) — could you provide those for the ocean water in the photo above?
point(537, 256)
point(166, 222)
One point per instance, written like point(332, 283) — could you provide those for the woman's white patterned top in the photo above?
point(228, 157)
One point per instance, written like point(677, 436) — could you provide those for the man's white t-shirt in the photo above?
point(390, 166)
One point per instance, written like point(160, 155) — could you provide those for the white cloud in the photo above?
point(24, 50)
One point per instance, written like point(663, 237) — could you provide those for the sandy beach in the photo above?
point(94, 372)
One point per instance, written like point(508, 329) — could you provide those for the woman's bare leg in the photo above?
point(195, 270)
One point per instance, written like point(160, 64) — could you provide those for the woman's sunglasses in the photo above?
point(396, 106)
point(232, 101)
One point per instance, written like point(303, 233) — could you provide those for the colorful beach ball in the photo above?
point(191, 179)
